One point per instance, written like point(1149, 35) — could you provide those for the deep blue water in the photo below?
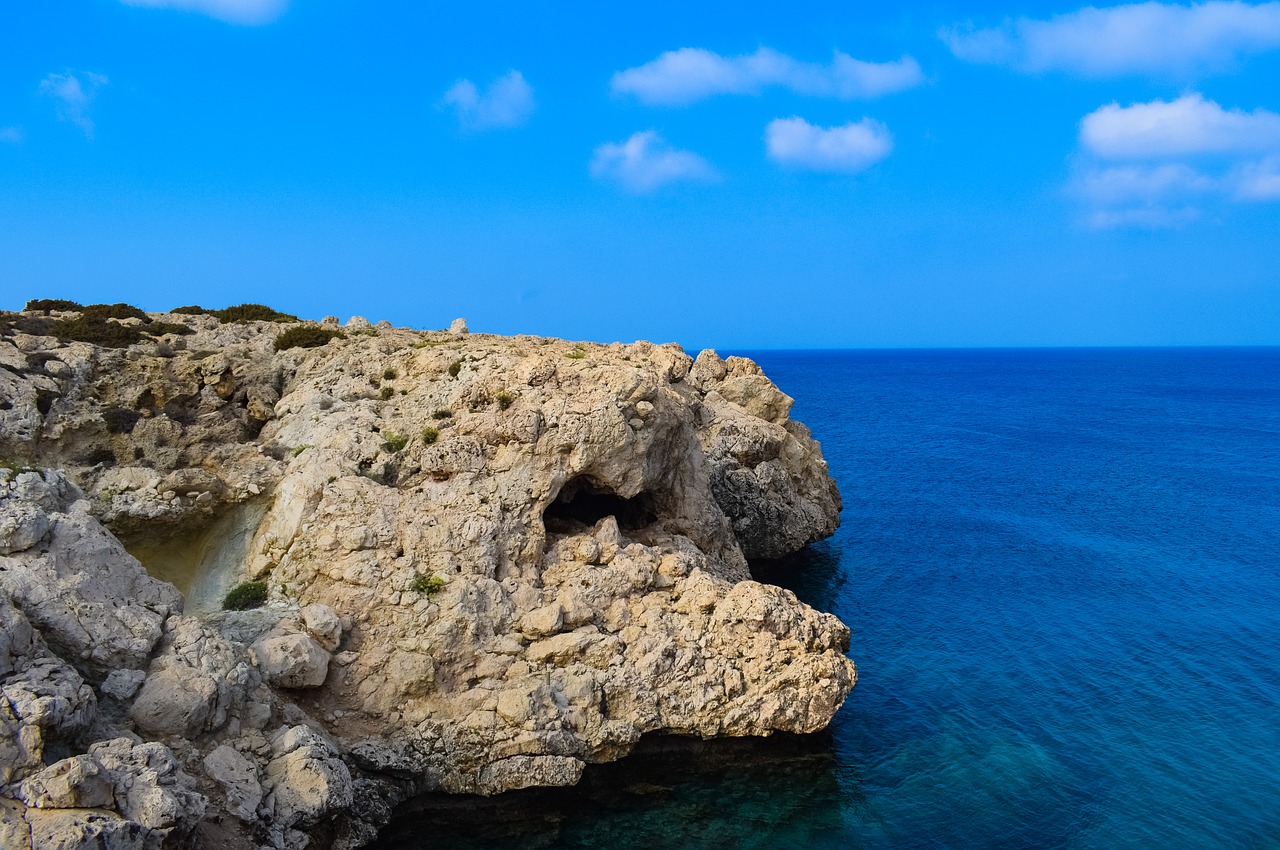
point(1062, 573)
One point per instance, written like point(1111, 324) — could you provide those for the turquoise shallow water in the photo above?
point(1062, 574)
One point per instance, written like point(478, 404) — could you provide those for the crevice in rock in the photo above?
point(585, 501)
point(205, 562)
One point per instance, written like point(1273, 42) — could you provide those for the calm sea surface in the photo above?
point(1062, 573)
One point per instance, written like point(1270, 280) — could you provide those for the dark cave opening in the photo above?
point(584, 501)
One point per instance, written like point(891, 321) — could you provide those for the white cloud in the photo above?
point(249, 12)
point(1150, 183)
point(1179, 154)
point(74, 95)
point(1258, 181)
point(848, 148)
point(683, 76)
point(1145, 218)
point(645, 163)
point(1139, 38)
point(12, 135)
point(506, 102)
point(1188, 126)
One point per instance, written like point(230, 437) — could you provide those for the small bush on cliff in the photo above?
point(162, 328)
point(249, 594)
point(239, 313)
point(96, 330)
point(430, 435)
point(454, 368)
point(386, 392)
point(47, 304)
point(442, 414)
point(504, 399)
point(428, 585)
point(114, 311)
point(306, 336)
point(395, 442)
point(252, 313)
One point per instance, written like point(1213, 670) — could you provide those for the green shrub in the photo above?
point(252, 313)
point(578, 353)
point(249, 594)
point(114, 311)
point(47, 304)
point(386, 392)
point(306, 336)
point(454, 368)
point(428, 585)
point(297, 450)
point(395, 442)
point(430, 435)
point(239, 313)
point(96, 330)
point(390, 374)
point(442, 414)
point(162, 328)
point(504, 399)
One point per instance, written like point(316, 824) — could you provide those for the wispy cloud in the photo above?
point(505, 102)
point(1173, 156)
point(645, 163)
point(1258, 181)
point(246, 12)
point(848, 148)
point(1187, 126)
point(12, 135)
point(1140, 38)
point(74, 93)
point(680, 77)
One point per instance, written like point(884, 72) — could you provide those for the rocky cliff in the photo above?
point(487, 562)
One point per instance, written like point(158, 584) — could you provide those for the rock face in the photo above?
point(489, 561)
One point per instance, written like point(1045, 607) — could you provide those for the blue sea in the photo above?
point(1062, 573)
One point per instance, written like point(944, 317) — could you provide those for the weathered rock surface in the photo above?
point(490, 562)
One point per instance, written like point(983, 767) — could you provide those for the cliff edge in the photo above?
point(485, 562)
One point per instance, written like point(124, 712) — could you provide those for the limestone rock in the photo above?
point(458, 326)
point(292, 660)
point(531, 553)
point(239, 780)
point(78, 782)
point(175, 701)
point(307, 778)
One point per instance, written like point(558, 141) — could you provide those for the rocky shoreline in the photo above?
point(486, 562)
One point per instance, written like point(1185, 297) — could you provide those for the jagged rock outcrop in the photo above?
point(489, 562)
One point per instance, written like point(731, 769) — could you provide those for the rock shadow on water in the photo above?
point(814, 573)
point(782, 791)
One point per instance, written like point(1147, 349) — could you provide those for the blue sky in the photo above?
point(736, 175)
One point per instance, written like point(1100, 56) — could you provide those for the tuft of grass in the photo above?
point(430, 435)
point(395, 442)
point(306, 336)
point(390, 374)
point(297, 450)
point(442, 414)
point(504, 399)
point(386, 392)
point(249, 594)
point(428, 585)
point(578, 353)
point(454, 368)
